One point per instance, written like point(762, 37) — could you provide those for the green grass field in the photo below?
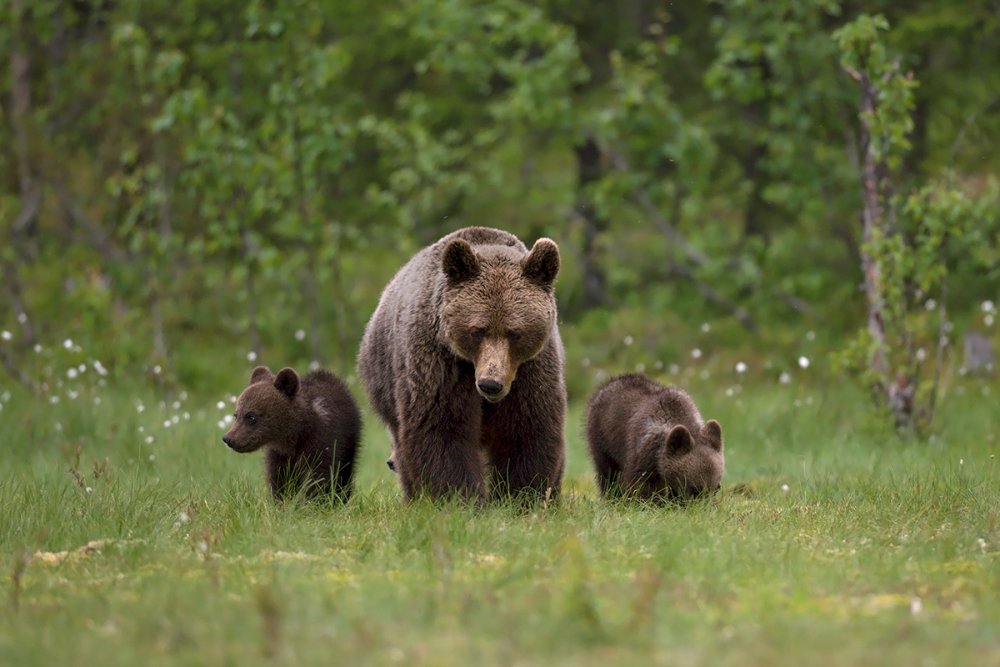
point(135, 537)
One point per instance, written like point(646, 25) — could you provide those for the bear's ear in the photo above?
point(711, 435)
point(260, 373)
point(287, 382)
point(542, 264)
point(679, 441)
point(459, 261)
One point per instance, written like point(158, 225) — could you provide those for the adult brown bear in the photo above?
point(462, 360)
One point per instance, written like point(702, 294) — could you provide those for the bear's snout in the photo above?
point(232, 443)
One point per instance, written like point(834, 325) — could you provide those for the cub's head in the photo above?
point(265, 412)
point(499, 308)
point(692, 464)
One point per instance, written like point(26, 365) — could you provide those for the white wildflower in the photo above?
point(916, 605)
point(6, 335)
point(68, 343)
point(251, 356)
point(741, 367)
point(784, 488)
point(785, 377)
point(71, 373)
point(988, 306)
point(300, 335)
point(696, 353)
point(803, 362)
point(221, 405)
point(22, 317)
point(628, 340)
point(810, 336)
point(705, 327)
point(930, 304)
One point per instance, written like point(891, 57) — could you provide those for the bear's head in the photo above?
point(499, 309)
point(689, 464)
point(266, 414)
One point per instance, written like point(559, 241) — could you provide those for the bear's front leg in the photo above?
point(523, 435)
point(437, 451)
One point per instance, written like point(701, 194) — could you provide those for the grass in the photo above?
point(831, 544)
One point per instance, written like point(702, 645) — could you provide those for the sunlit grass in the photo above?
point(831, 543)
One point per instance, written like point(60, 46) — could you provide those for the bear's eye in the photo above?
point(251, 418)
point(477, 334)
point(514, 336)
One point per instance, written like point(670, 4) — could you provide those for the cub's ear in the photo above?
point(679, 441)
point(287, 382)
point(260, 373)
point(459, 261)
point(711, 435)
point(541, 264)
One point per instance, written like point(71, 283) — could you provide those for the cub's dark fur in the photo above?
point(309, 429)
point(649, 441)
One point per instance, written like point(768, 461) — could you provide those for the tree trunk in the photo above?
point(589, 170)
point(873, 220)
point(250, 252)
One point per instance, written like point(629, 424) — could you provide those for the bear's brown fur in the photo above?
point(648, 441)
point(453, 329)
point(309, 429)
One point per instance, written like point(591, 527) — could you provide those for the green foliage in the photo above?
point(222, 178)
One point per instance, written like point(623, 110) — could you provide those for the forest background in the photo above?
point(189, 188)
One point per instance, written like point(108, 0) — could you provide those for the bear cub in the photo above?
point(648, 441)
point(309, 429)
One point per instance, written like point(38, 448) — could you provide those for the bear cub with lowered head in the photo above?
point(309, 430)
point(648, 441)
point(462, 360)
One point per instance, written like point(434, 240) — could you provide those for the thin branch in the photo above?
point(969, 121)
point(713, 295)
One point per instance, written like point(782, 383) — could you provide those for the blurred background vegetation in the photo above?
point(188, 188)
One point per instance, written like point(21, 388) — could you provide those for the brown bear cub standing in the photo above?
point(462, 360)
point(309, 430)
point(648, 441)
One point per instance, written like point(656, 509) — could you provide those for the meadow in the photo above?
point(130, 535)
